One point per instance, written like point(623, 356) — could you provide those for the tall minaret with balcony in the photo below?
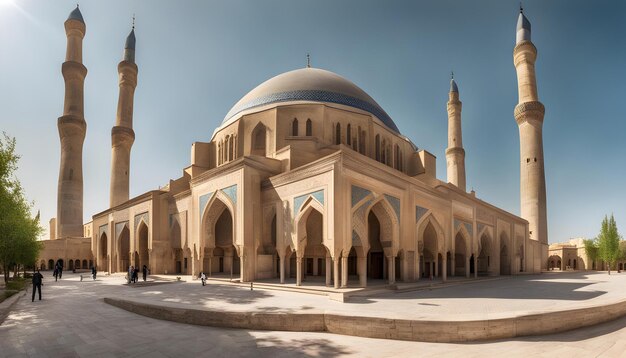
point(529, 116)
point(72, 129)
point(122, 134)
point(455, 154)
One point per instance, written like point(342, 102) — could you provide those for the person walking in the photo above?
point(56, 273)
point(60, 271)
point(94, 272)
point(136, 275)
point(203, 278)
point(144, 271)
point(37, 282)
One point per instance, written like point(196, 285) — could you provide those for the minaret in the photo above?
point(122, 134)
point(455, 154)
point(529, 116)
point(72, 128)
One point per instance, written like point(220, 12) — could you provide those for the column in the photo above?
point(362, 271)
point(282, 269)
point(453, 266)
point(328, 270)
point(336, 273)
point(298, 270)
point(344, 271)
point(444, 268)
point(475, 267)
point(467, 266)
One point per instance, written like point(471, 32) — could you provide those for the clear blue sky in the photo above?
point(197, 58)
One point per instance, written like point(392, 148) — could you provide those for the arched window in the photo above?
point(383, 155)
point(230, 147)
point(258, 140)
point(294, 127)
point(338, 134)
point(309, 127)
point(378, 147)
point(397, 156)
point(219, 153)
point(361, 141)
point(349, 135)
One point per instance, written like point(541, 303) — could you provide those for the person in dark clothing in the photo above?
point(94, 272)
point(135, 274)
point(56, 273)
point(60, 271)
point(144, 272)
point(37, 282)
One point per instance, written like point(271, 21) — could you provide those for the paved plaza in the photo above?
point(73, 320)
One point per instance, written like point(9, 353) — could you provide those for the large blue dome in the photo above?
point(309, 85)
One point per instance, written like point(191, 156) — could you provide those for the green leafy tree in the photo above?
point(18, 229)
point(608, 242)
point(591, 249)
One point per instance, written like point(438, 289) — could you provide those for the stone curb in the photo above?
point(386, 328)
point(7, 305)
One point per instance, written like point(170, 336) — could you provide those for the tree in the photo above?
point(591, 249)
point(608, 242)
point(18, 229)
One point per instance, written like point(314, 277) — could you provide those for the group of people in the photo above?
point(133, 273)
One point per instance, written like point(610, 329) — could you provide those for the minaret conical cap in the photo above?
point(130, 40)
point(523, 28)
point(453, 86)
point(76, 15)
point(129, 47)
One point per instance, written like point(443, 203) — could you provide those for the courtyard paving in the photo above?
point(72, 320)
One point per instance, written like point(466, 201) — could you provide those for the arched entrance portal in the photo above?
point(484, 258)
point(143, 252)
point(220, 256)
point(124, 250)
point(460, 256)
point(376, 254)
point(505, 259)
point(430, 255)
point(104, 246)
point(315, 253)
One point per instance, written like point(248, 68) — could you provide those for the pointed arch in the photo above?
point(349, 135)
point(338, 133)
point(309, 128)
point(301, 220)
point(505, 254)
point(212, 212)
point(294, 127)
point(124, 248)
point(142, 244)
point(259, 140)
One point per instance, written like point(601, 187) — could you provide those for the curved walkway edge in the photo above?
point(376, 327)
point(7, 305)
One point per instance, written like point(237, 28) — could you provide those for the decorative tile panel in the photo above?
point(480, 227)
point(395, 204)
point(358, 194)
point(356, 240)
point(103, 229)
point(419, 212)
point(202, 201)
point(299, 200)
point(143, 216)
point(468, 226)
point(119, 227)
point(231, 192)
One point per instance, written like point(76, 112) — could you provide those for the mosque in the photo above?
point(306, 178)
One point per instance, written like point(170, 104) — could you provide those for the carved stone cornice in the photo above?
point(455, 151)
point(529, 110)
point(524, 51)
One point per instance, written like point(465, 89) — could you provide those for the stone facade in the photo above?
point(308, 178)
